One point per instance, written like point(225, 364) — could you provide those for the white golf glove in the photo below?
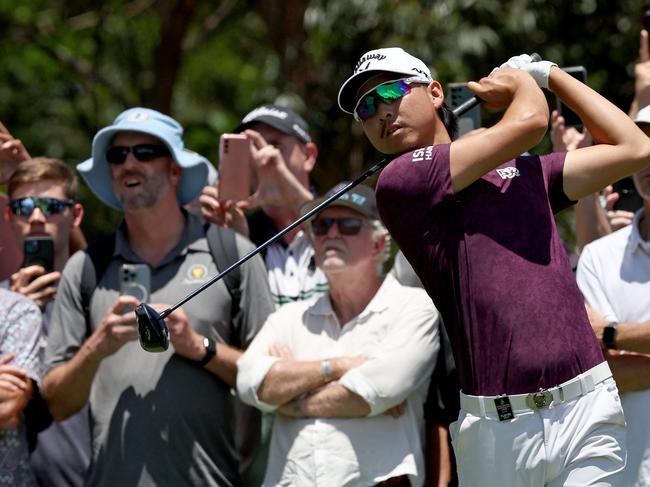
point(539, 70)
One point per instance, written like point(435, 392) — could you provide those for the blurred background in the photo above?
point(67, 68)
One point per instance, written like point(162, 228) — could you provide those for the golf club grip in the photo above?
point(475, 100)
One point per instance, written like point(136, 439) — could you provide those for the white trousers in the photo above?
point(575, 444)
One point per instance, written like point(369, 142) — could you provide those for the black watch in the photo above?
point(210, 351)
point(609, 335)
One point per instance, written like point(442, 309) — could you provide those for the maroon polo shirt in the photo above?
point(491, 259)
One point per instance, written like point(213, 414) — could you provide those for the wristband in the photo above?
point(325, 370)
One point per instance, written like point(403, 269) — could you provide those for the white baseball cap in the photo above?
point(385, 60)
point(643, 115)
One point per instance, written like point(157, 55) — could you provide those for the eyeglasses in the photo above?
point(142, 152)
point(347, 225)
point(386, 92)
point(48, 206)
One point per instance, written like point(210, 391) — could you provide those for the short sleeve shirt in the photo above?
point(491, 258)
point(159, 419)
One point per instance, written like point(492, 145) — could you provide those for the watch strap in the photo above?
point(210, 351)
point(609, 335)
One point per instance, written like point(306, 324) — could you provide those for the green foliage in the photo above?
point(70, 67)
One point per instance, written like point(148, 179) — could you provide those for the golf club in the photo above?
point(153, 332)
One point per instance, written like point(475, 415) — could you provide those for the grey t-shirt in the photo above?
point(491, 258)
point(159, 419)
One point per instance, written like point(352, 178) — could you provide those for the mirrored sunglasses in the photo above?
point(48, 206)
point(347, 225)
point(386, 93)
point(142, 152)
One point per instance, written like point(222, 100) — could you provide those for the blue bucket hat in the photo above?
point(194, 174)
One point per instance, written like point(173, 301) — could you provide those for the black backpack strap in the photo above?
point(223, 247)
point(98, 257)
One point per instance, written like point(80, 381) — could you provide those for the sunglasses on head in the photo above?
point(142, 152)
point(48, 206)
point(347, 225)
point(386, 93)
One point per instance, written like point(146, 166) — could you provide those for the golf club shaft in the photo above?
point(458, 111)
point(369, 172)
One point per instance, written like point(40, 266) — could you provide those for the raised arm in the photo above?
point(522, 126)
point(621, 147)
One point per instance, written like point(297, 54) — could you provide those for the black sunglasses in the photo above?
point(48, 206)
point(347, 225)
point(142, 152)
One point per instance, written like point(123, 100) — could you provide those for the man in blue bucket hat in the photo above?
point(165, 418)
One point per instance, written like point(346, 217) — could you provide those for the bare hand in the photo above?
point(12, 377)
point(567, 138)
point(277, 186)
point(396, 411)
point(12, 152)
point(118, 326)
point(617, 218)
point(35, 284)
point(223, 213)
point(498, 89)
point(280, 351)
point(187, 342)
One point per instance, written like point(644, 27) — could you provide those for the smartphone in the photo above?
point(39, 251)
point(628, 198)
point(470, 120)
point(646, 20)
point(135, 280)
point(571, 119)
point(234, 167)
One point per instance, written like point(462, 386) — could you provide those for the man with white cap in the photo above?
point(614, 277)
point(167, 418)
point(475, 220)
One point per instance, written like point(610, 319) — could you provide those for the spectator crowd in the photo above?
point(434, 331)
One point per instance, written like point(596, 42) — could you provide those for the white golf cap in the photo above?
point(643, 115)
point(385, 60)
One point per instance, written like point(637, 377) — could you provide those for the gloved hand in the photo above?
point(539, 70)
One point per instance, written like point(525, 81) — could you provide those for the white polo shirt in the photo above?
point(398, 332)
point(614, 277)
point(293, 275)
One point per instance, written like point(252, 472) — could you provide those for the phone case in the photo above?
point(234, 167)
point(39, 251)
point(571, 119)
point(135, 280)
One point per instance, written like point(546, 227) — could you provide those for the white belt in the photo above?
point(544, 398)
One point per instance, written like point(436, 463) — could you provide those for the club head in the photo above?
point(154, 335)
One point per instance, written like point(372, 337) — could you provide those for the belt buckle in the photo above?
point(541, 399)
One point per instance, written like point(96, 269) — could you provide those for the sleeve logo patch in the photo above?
point(508, 172)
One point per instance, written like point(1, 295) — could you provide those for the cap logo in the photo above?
point(264, 112)
point(137, 117)
point(298, 129)
point(357, 199)
point(368, 58)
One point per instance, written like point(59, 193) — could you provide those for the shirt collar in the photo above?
point(191, 239)
point(636, 241)
point(380, 301)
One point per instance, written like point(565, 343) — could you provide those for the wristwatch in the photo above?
point(210, 351)
point(609, 335)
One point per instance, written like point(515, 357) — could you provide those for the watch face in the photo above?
point(609, 336)
point(206, 342)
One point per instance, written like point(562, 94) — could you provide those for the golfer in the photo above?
point(538, 404)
